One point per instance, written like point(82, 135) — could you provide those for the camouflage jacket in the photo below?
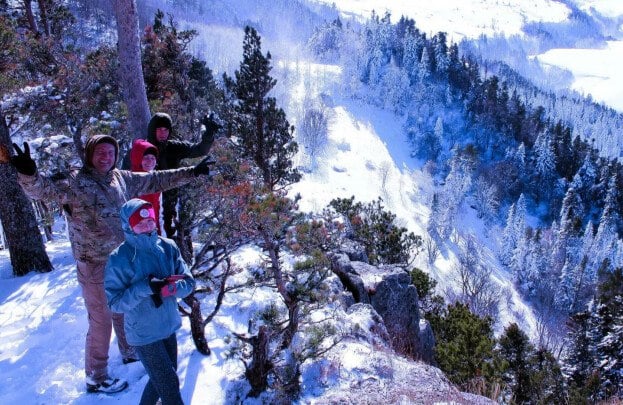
point(91, 203)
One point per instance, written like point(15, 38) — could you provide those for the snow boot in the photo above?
point(108, 386)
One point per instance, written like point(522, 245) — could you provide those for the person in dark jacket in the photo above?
point(144, 158)
point(144, 278)
point(171, 152)
point(91, 199)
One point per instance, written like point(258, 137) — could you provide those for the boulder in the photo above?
point(392, 295)
point(396, 300)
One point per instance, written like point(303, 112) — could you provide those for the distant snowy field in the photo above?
point(597, 71)
point(483, 16)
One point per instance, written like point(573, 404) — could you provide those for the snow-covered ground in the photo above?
point(596, 71)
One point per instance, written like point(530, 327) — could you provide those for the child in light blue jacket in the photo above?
point(144, 277)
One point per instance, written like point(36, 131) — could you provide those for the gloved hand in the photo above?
point(22, 162)
point(211, 125)
point(169, 289)
point(156, 285)
point(203, 167)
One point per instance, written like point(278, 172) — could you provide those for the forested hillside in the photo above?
point(519, 155)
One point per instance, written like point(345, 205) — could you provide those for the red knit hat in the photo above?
point(146, 211)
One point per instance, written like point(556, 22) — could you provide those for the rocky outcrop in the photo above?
point(388, 289)
point(396, 300)
point(355, 373)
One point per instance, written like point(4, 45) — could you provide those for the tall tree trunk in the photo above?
point(197, 325)
point(130, 67)
point(30, 17)
point(18, 219)
point(259, 368)
point(43, 11)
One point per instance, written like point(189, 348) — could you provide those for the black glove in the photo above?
point(211, 124)
point(156, 285)
point(22, 161)
point(203, 167)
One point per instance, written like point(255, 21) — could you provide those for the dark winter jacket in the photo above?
point(172, 151)
point(91, 201)
point(139, 147)
point(126, 282)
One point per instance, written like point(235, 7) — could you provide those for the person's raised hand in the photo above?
point(211, 126)
point(22, 161)
point(203, 167)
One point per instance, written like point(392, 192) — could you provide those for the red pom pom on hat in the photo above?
point(146, 211)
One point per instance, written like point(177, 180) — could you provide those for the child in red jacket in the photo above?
point(144, 158)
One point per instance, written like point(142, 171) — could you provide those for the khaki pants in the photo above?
point(101, 322)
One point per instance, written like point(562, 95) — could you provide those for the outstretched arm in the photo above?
point(35, 186)
point(162, 180)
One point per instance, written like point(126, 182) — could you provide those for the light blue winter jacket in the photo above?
point(127, 281)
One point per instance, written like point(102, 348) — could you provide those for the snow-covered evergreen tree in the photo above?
point(604, 246)
point(514, 230)
point(544, 164)
point(411, 55)
point(608, 329)
point(579, 354)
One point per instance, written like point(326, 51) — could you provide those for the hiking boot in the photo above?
point(129, 360)
point(108, 386)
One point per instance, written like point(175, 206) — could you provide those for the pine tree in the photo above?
point(510, 236)
point(264, 134)
point(442, 60)
point(608, 326)
point(546, 379)
point(579, 355)
point(412, 54)
point(605, 243)
point(568, 253)
point(375, 229)
point(544, 165)
point(584, 180)
point(516, 349)
point(424, 68)
point(465, 348)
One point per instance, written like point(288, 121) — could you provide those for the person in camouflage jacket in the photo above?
point(91, 199)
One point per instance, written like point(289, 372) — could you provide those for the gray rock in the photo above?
point(426, 337)
point(355, 251)
point(396, 300)
point(351, 281)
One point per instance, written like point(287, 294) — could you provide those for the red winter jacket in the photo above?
point(139, 147)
